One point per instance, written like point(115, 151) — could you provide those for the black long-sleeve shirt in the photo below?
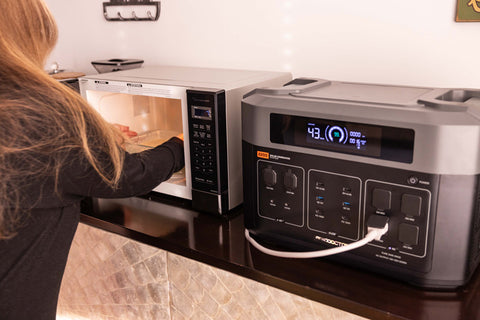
point(32, 263)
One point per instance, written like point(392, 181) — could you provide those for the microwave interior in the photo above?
point(154, 120)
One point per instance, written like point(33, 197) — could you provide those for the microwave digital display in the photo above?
point(367, 140)
point(200, 112)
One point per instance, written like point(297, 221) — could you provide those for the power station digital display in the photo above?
point(341, 136)
point(383, 142)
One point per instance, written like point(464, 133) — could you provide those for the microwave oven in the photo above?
point(160, 102)
point(323, 159)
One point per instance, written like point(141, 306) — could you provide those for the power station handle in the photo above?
point(453, 100)
point(296, 86)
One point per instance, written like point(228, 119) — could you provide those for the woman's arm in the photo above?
point(141, 173)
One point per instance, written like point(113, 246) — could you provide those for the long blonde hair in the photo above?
point(41, 120)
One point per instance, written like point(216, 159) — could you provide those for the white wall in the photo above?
point(407, 42)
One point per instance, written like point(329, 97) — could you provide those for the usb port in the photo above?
point(320, 185)
point(347, 191)
point(320, 200)
point(346, 205)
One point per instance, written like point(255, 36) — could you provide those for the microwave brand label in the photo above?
point(136, 85)
point(101, 82)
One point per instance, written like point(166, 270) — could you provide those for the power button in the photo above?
point(412, 180)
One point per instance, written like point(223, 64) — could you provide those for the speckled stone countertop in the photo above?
point(173, 226)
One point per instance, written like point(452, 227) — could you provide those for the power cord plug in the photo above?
point(379, 224)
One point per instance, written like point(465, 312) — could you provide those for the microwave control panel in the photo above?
point(206, 112)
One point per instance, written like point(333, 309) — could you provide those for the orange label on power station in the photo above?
point(262, 154)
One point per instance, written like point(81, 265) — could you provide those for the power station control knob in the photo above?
point(290, 180)
point(269, 177)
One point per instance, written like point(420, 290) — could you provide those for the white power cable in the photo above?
point(374, 233)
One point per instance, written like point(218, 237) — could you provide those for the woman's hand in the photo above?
point(125, 130)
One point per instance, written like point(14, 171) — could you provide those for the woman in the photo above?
point(54, 150)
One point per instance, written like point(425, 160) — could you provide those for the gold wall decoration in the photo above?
point(468, 11)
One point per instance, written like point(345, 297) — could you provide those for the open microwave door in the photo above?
point(150, 114)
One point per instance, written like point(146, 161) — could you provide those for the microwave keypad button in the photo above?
point(411, 205)
point(382, 199)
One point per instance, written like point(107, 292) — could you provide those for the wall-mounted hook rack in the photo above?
point(132, 10)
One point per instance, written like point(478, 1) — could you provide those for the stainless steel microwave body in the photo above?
point(159, 102)
point(321, 157)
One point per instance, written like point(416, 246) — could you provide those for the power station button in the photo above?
point(382, 199)
point(412, 180)
point(411, 205)
point(269, 177)
point(290, 180)
point(408, 233)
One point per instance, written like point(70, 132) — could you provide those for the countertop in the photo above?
point(170, 224)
